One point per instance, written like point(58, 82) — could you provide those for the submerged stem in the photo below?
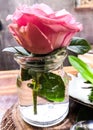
point(35, 92)
point(35, 100)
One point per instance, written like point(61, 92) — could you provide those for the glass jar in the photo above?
point(42, 88)
point(83, 125)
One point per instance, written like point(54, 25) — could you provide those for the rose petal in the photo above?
point(45, 8)
point(41, 30)
point(40, 43)
point(32, 39)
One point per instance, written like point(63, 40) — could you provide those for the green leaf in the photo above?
point(25, 75)
point(16, 49)
point(18, 82)
point(79, 128)
point(91, 95)
point(85, 70)
point(51, 87)
point(79, 45)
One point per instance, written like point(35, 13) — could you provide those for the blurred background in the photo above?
point(84, 16)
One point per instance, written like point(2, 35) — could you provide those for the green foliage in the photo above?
point(25, 74)
point(80, 128)
point(46, 85)
point(85, 70)
point(16, 50)
point(79, 45)
point(51, 87)
point(91, 95)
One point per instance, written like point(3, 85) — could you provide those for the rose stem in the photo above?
point(35, 100)
point(35, 91)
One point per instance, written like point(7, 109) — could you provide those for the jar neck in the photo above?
point(49, 62)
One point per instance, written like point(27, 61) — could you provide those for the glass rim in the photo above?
point(61, 52)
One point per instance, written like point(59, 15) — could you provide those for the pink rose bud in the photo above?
point(40, 30)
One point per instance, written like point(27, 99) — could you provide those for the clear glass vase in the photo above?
point(42, 88)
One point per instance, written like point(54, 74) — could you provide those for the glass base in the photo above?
point(47, 114)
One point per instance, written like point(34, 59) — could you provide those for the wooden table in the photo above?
point(8, 104)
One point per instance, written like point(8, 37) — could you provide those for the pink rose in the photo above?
point(40, 30)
